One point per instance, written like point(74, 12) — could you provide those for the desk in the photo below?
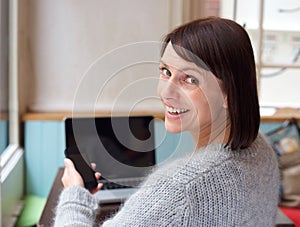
point(107, 210)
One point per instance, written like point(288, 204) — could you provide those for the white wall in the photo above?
point(98, 54)
point(76, 53)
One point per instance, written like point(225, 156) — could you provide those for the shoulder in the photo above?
point(219, 180)
point(215, 159)
point(192, 165)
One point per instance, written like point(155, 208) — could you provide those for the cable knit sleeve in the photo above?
point(76, 207)
point(158, 203)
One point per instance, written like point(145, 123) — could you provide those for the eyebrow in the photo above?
point(185, 69)
point(162, 62)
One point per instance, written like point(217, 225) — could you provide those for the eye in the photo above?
point(192, 80)
point(165, 72)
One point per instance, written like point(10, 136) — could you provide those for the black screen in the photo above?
point(82, 166)
point(121, 147)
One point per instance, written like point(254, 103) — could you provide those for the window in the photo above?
point(275, 33)
point(11, 156)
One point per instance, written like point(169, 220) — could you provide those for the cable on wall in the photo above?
point(283, 69)
point(293, 10)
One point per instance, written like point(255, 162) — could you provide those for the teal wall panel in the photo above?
point(44, 154)
point(266, 127)
point(170, 146)
point(3, 135)
point(32, 148)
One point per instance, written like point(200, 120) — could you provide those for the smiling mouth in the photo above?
point(175, 111)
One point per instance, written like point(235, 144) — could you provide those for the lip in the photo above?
point(173, 116)
point(166, 104)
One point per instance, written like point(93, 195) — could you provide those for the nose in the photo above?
point(168, 89)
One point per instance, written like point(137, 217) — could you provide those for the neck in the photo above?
point(210, 135)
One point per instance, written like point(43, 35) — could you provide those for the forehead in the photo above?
point(171, 58)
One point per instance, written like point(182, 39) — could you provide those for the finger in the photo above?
point(66, 170)
point(71, 177)
point(70, 167)
point(93, 165)
point(99, 186)
point(68, 163)
point(98, 175)
point(64, 176)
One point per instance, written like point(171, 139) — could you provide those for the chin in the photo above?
point(173, 128)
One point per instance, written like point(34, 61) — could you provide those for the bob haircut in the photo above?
point(225, 49)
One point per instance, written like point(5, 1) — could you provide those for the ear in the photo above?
point(225, 104)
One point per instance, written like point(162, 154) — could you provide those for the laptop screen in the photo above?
point(121, 147)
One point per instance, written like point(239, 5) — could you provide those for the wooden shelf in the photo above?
point(60, 116)
point(280, 115)
point(3, 116)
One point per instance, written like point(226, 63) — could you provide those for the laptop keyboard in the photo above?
point(121, 183)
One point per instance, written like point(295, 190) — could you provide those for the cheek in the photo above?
point(200, 107)
point(198, 101)
point(159, 88)
point(203, 111)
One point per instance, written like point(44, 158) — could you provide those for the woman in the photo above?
point(208, 86)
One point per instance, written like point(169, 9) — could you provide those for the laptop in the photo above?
point(123, 149)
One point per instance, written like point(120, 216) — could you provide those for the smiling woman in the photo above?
point(229, 81)
point(232, 175)
point(186, 90)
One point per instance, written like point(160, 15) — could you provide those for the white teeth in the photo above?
point(175, 110)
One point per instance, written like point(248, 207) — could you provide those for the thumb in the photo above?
point(68, 163)
point(71, 177)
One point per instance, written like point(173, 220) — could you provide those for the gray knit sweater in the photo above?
point(214, 186)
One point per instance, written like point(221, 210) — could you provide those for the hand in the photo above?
point(72, 178)
point(97, 175)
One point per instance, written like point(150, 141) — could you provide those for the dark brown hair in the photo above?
point(225, 49)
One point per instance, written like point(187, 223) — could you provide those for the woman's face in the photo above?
point(192, 96)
